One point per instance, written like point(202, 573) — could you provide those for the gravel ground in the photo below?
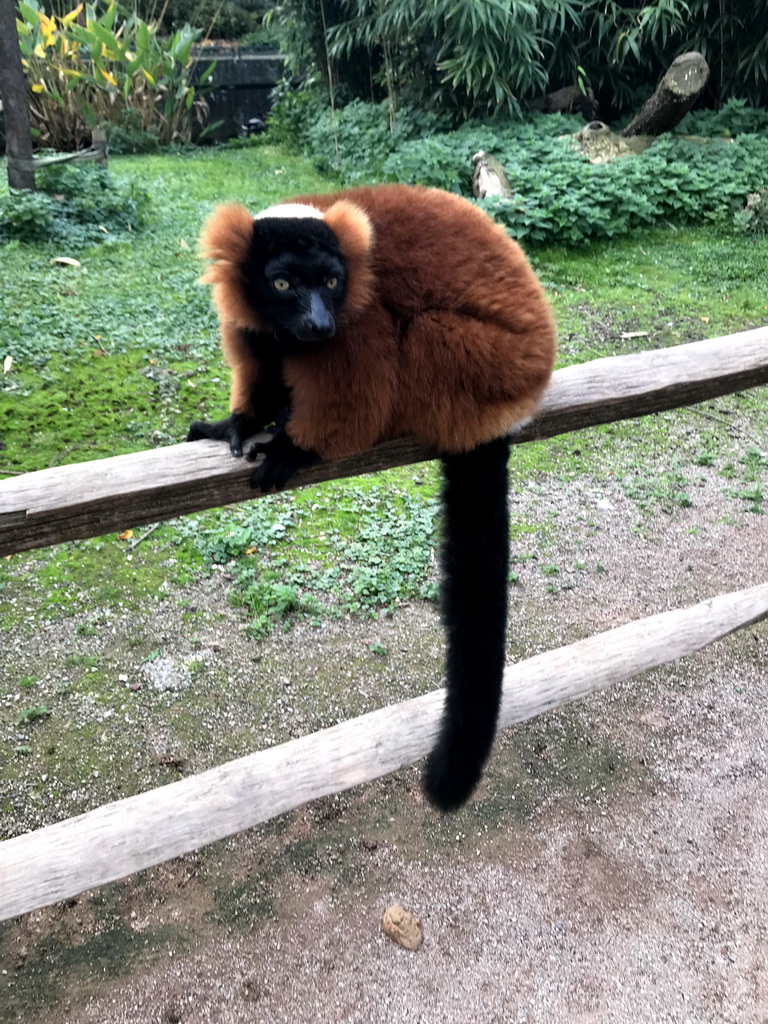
point(611, 868)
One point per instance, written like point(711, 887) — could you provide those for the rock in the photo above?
point(402, 927)
point(167, 674)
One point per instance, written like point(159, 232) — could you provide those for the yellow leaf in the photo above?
point(69, 18)
point(40, 51)
point(38, 87)
point(251, 551)
point(125, 535)
point(47, 27)
point(109, 77)
point(704, 319)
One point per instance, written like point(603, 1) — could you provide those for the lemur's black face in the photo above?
point(296, 280)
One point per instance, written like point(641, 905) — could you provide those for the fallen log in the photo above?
point(118, 839)
point(675, 94)
point(568, 100)
point(92, 498)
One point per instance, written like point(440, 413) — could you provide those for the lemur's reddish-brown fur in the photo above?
point(445, 332)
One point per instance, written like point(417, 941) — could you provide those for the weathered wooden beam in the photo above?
point(62, 860)
point(92, 498)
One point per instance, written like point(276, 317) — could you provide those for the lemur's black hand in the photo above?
point(234, 429)
point(281, 460)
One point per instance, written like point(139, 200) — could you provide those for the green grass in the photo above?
point(341, 548)
point(662, 287)
point(121, 353)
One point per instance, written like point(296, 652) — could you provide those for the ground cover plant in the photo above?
point(702, 173)
point(73, 206)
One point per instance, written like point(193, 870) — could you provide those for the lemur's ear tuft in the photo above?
point(226, 240)
point(226, 236)
point(354, 233)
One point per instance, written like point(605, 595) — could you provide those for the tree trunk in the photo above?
point(13, 90)
point(675, 95)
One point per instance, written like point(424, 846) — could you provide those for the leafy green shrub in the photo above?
point(568, 199)
point(735, 117)
point(292, 112)
point(129, 134)
point(353, 141)
point(558, 195)
point(432, 161)
point(84, 75)
point(444, 160)
point(75, 205)
point(26, 215)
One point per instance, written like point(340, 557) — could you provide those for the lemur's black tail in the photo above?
point(474, 597)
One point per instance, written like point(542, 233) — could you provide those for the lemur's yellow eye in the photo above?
point(281, 284)
point(331, 282)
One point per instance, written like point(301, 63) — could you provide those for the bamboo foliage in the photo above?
point(479, 57)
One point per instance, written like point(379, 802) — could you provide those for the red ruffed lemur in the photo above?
point(352, 318)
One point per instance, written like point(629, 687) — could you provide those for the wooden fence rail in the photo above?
point(62, 860)
point(98, 151)
point(93, 498)
point(88, 499)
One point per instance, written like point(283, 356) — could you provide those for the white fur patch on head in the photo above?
point(290, 210)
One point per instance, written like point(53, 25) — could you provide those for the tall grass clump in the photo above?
point(113, 68)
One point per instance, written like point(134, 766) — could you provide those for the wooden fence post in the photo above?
point(13, 90)
point(99, 143)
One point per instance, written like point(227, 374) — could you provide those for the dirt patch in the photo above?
point(611, 867)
